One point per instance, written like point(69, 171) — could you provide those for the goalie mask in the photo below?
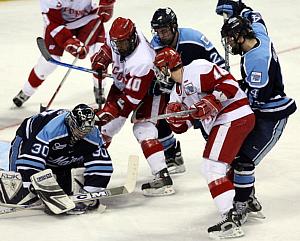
point(166, 61)
point(232, 30)
point(123, 37)
point(81, 120)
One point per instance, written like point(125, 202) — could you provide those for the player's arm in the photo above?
point(63, 37)
point(235, 8)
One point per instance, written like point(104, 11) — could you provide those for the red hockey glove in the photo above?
point(102, 59)
point(177, 124)
point(106, 9)
point(109, 112)
point(176, 107)
point(75, 47)
point(207, 107)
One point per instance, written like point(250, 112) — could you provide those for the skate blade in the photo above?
point(232, 233)
point(164, 191)
point(176, 169)
point(258, 215)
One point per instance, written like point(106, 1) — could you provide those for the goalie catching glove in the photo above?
point(75, 47)
point(207, 107)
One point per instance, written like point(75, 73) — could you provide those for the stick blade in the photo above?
point(133, 165)
point(43, 49)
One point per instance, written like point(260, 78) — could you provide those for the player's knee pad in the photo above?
point(145, 131)
point(152, 146)
point(213, 170)
point(113, 127)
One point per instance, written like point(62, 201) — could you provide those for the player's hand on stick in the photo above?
point(102, 59)
point(106, 9)
point(75, 47)
point(207, 107)
point(178, 124)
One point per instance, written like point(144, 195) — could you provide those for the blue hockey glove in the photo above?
point(231, 8)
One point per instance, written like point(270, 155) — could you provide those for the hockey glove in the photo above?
point(207, 107)
point(102, 59)
point(106, 9)
point(109, 112)
point(75, 47)
point(231, 8)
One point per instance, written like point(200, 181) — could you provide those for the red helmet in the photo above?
point(121, 29)
point(167, 58)
point(123, 36)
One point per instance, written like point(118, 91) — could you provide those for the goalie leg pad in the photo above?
point(12, 190)
point(51, 193)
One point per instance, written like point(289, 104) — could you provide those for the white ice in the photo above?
point(187, 214)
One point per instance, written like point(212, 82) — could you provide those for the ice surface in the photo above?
point(186, 215)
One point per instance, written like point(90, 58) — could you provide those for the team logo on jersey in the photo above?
point(189, 89)
point(255, 77)
point(58, 146)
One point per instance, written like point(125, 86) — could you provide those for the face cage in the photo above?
point(234, 50)
point(164, 78)
point(131, 45)
point(78, 132)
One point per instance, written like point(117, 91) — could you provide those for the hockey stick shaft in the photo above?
point(163, 116)
point(44, 51)
point(115, 191)
point(227, 65)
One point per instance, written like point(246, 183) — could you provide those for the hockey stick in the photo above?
point(227, 65)
point(127, 188)
point(159, 117)
point(44, 51)
point(42, 108)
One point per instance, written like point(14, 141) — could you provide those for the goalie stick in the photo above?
point(127, 188)
point(159, 117)
point(44, 51)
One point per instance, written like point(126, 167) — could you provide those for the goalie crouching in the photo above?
point(55, 142)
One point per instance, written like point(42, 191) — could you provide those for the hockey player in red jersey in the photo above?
point(67, 26)
point(222, 107)
point(132, 68)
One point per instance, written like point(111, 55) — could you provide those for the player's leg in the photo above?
point(172, 149)
point(258, 143)
point(39, 72)
point(222, 146)
point(146, 134)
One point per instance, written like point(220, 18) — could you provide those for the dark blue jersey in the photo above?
point(192, 45)
point(43, 141)
point(261, 73)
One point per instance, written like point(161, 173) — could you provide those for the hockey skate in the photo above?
point(162, 185)
point(99, 96)
point(254, 207)
point(174, 159)
point(230, 226)
point(20, 98)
